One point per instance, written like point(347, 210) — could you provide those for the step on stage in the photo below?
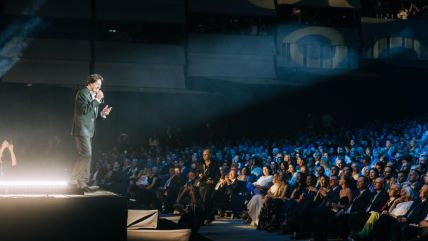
point(97, 216)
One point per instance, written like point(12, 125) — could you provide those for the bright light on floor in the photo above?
point(33, 183)
point(32, 195)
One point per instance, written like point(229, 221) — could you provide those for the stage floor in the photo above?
point(94, 216)
point(225, 229)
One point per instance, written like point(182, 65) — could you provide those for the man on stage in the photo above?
point(86, 111)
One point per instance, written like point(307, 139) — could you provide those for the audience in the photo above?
point(352, 183)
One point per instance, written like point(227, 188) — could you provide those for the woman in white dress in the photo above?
point(256, 203)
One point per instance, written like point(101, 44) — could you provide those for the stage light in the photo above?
point(33, 184)
point(25, 187)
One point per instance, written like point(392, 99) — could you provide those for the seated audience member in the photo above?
point(192, 178)
point(377, 202)
point(405, 229)
point(359, 204)
point(188, 197)
point(373, 174)
point(397, 205)
point(167, 194)
point(236, 194)
point(189, 206)
point(401, 178)
point(422, 231)
point(219, 194)
point(292, 200)
point(414, 180)
point(256, 203)
point(135, 175)
point(322, 190)
point(245, 176)
point(113, 178)
point(263, 183)
point(337, 217)
point(389, 176)
point(147, 186)
point(274, 200)
point(329, 206)
point(297, 218)
point(291, 175)
point(390, 227)
point(355, 170)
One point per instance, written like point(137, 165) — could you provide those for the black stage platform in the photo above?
point(98, 216)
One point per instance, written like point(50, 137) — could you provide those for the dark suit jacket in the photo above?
point(377, 202)
point(358, 218)
point(236, 187)
point(333, 195)
point(85, 114)
point(417, 212)
point(361, 202)
point(174, 187)
point(210, 172)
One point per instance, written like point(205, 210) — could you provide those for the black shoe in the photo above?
point(90, 189)
point(75, 191)
point(208, 221)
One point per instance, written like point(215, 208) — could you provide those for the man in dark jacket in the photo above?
point(377, 201)
point(359, 204)
point(403, 230)
point(209, 174)
point(86, 111)
point(389, 228)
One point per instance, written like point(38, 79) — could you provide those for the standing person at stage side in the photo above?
point(209, 174)
point(86, 111)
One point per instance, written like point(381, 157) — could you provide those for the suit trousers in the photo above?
point(82, 167)
point(206, 191)
point(423, 234)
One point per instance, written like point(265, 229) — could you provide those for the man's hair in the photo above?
point(207, 150)
point(93, 78)
point(403, 172)
point(365, 179)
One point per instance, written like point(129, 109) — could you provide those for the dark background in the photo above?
point(37, 117)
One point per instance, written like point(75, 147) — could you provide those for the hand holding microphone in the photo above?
point(99, 96)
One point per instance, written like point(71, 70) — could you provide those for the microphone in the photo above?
point(102, 99)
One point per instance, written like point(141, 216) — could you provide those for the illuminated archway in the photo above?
point(381, 45)
point(336, 39)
